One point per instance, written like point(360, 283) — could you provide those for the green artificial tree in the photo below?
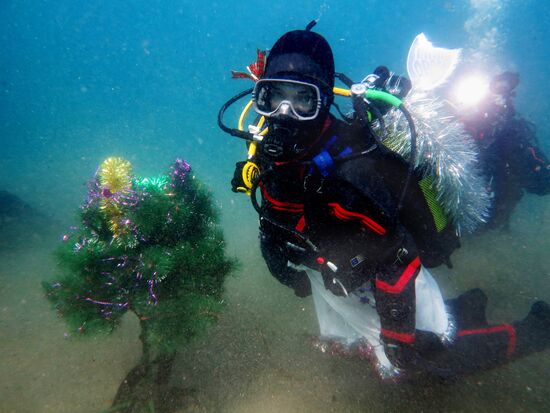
point(151, 246)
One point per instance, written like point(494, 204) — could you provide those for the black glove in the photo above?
point(237, 183)
point(276, 257)
point(346, 278)
point(301, 284)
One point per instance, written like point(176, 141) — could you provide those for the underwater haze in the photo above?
point(84, 80)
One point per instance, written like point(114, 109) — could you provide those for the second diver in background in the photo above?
point(510, 156)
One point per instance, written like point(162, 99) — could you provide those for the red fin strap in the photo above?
point(503, 328)
point(339, 212)
point(403, 280)
point(394, 335)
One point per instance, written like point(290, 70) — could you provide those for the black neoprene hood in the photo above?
point(302, 55)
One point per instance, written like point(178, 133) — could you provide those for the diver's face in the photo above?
point(292, 109)
point(299, 97)
point(277, 98)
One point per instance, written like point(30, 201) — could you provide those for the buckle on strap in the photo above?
point(324, 163)
point(324, 160)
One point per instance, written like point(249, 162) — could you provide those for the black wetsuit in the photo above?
point(346, 213)
point(512, 163)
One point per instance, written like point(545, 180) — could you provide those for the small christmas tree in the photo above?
point(151, 246)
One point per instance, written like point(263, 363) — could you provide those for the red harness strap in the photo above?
point(280, 205)
point(339, 212)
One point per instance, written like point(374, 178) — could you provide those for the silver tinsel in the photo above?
point(446, 153)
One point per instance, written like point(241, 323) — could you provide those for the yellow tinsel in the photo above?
point(114, 175)
point(114, 215)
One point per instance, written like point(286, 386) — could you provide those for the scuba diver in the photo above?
point(510, 156)
point(345, 219)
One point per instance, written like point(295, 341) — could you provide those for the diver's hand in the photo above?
point(301, 284)
point(340, 278)
point(237, 183)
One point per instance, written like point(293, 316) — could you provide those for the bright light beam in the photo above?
point(471, 90)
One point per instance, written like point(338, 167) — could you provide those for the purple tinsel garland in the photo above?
point(180, 171)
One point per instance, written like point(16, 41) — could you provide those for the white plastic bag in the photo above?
point(353, 318)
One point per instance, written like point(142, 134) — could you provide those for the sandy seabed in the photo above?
point(258, 358)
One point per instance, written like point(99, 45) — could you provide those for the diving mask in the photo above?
point(281, 97)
